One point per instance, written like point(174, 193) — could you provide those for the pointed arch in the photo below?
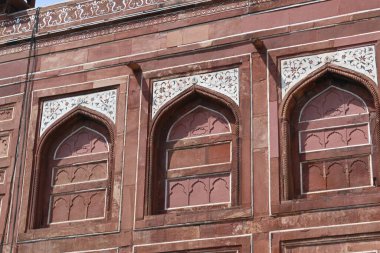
point(319, 73)
point(203, 108)
point(306, 111)
point(219, 124)
point(348, 100)
point(98, 145)
point(93, 133)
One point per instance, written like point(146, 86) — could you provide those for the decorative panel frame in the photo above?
point(325, 237)
point(114, 90)
point(10, 112)
point(295, 73)
point(238, 66)
point(240, 243)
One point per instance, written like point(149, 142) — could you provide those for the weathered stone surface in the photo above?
point(198, 147)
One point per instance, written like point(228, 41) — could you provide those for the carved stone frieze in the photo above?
point(219, 7)
point(360, 59)
point(71, 13)
point(103, 102)
point(225, 82)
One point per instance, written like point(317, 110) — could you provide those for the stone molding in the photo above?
point(84, 12)
point(70, 13)
point(360, 59)
point(219, 7)
point(225, 82)
point(103, 102)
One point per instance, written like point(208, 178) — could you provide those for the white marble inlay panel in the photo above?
point(225, 82)
point(360, 59)
point(103, 102)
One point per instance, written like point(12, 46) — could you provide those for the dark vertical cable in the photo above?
point(22, 133)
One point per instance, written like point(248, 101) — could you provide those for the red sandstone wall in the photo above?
point(194, 39)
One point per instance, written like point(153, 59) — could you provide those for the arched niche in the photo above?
point(193, 154)
point(320, 121)
point(73, 171)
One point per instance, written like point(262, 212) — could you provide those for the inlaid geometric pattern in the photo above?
point(225, 82)
point(360, 59)
point(103, 102)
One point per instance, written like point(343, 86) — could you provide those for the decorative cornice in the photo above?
point(71, 13)
point(103, 102)
point(360, 59)
point(219, 7)
point(225, 82)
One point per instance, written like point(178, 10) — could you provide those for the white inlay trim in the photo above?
point(360, 59)
point(103, 102)
point(225, 82)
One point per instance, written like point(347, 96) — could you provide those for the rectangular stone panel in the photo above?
point(6, 113)
point(2, 175)
point(4, 144)
point(77, 206)
point(198, 191)
point(337, 137)
point(336, 174)
point(114, 250)
point(79, 173)
point(199, 156)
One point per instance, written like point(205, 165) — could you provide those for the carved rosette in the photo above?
point(361, 60)
point(103, 102)
point(225, 82)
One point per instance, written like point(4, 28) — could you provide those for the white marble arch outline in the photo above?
point(192, 110)
point(225, 82)
point(325, 90)
point(359, 59)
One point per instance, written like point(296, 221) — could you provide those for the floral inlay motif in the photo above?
point(225, 82)
point(360, 59)
point(103, 102)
